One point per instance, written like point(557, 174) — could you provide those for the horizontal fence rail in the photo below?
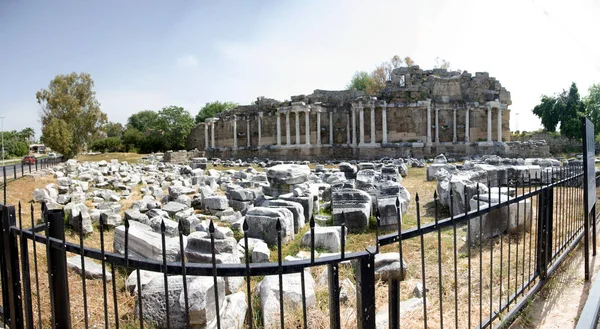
point(471, 267)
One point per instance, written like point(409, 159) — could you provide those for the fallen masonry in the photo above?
point(285, 203)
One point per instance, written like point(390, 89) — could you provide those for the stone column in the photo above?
point(348, 128)
point(353, 127)
point(234, 132)
point(429, 122)
point(454, 127)
point(307, 126)
point(467, 126)
point(278, 128)
point(384, 123)
point(489, 125)
point(288, 139)
point(260, 114)
point(361, 125)
point(248, 132)
point(297, 128)
point(437, 125)
point(499, 125)
point(331, 128)
point(212, 134)
point(319, 128)
point(372, 122)
point(205, 135)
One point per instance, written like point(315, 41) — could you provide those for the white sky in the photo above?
point(233, 51)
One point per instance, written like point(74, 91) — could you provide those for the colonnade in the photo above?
point(353, 139)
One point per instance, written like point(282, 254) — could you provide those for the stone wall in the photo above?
point(437, 108)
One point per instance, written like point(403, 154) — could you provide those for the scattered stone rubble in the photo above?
point(178, 200)
point(479, 183)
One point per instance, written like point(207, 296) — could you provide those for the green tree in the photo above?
point(143, 120)
point(113, 129)
point(209, 110)
point(132, 139)
point(566, 108)
point(546, 111)
point(70, 113)
point(360, 81)
point(592, 106)
point(175, 123)
point(27, 134)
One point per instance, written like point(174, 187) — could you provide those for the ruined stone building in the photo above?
point(419, 113)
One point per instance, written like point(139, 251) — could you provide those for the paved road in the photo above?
point(10, 169)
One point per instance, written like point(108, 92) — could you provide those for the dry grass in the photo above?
point(121, 156)
point(466, 288)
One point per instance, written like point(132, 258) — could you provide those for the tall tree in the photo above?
point(27, 133)
point(360, 80)
point(70, 113)
point(565, 108)
point(546, 111)
point(592, 106)
point(175, 123)
point(113, 129)
point(209, 110)
point(409, 62)
point(143, 120)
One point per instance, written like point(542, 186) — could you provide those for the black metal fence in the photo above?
point(15, 171)
point(477, 267)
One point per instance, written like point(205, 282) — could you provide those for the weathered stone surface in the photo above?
point(260, 252)
point(262, 224)
point(387, 266)
point(111, 219)
point(93, 270)
point(217, 202)
point(174, 207)
point(289, 174)
point(135, 214)
point(131, 283)
point(296, 209)
point(327, 238)
point(292, 295)
point(72, 212)
point(354, 205)
point(498, 221)
point(154, 302)
point(145, 243)
point(201, 300)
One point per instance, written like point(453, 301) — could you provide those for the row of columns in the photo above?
point(351, 135)
point(490, 107)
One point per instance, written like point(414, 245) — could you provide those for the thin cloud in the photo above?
point(187, 61)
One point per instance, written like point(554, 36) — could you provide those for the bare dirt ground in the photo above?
point(559, 303)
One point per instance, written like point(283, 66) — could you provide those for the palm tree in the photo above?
point(27, 133)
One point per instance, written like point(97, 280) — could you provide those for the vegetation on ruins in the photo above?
point(71, 114)
point(565, 108)
point(375, 81)
point(209, 110)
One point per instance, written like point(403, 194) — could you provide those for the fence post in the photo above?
point(544, 230)
point(58, 270)
point(11, 269)
point(15, 171)
point(365, 291)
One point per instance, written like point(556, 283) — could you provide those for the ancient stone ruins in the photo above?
point(158, 196)
point(418, 114)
